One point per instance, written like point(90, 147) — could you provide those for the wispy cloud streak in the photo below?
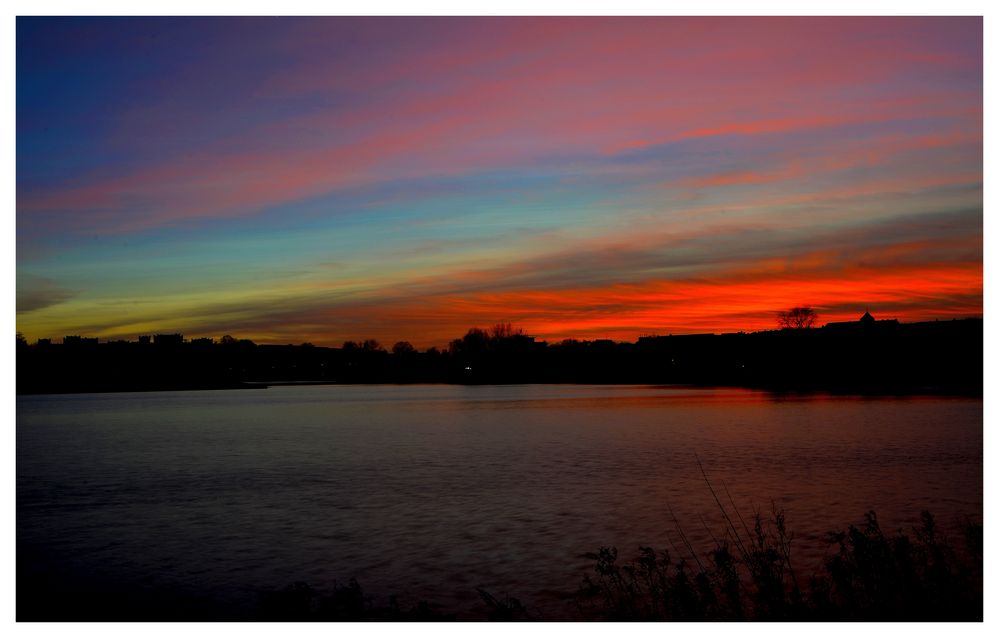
point(193, 174)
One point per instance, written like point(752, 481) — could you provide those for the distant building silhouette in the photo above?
point(77, 340)
point(866, 355)
point(866, 323)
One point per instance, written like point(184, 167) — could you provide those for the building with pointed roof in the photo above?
point(866, 322)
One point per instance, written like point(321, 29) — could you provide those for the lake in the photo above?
point(427, 492)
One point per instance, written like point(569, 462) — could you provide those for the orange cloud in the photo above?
point(741, 299)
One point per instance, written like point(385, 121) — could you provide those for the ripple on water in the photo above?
point(431, 491)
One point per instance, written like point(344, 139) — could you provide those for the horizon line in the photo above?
point(521, 331)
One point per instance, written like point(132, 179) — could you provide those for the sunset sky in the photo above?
point(326, 179)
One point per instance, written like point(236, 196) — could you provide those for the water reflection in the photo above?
point(432, 491)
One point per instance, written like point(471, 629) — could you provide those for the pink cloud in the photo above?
point(495, 94)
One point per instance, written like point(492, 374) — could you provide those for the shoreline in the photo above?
point(834, 391)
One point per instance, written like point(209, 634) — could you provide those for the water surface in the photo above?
point(430, 491)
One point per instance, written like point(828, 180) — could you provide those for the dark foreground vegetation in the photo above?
point(869, 575)
point(866, 356)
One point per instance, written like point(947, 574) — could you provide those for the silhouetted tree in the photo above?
point(403, 347)
point(505, 330)
point(476, 340)
point(795, 318)
point(372, 345)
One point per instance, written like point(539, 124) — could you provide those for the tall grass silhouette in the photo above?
point(870, 575)
point(749, 575)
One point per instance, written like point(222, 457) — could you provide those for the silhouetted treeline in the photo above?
point(864, 356)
